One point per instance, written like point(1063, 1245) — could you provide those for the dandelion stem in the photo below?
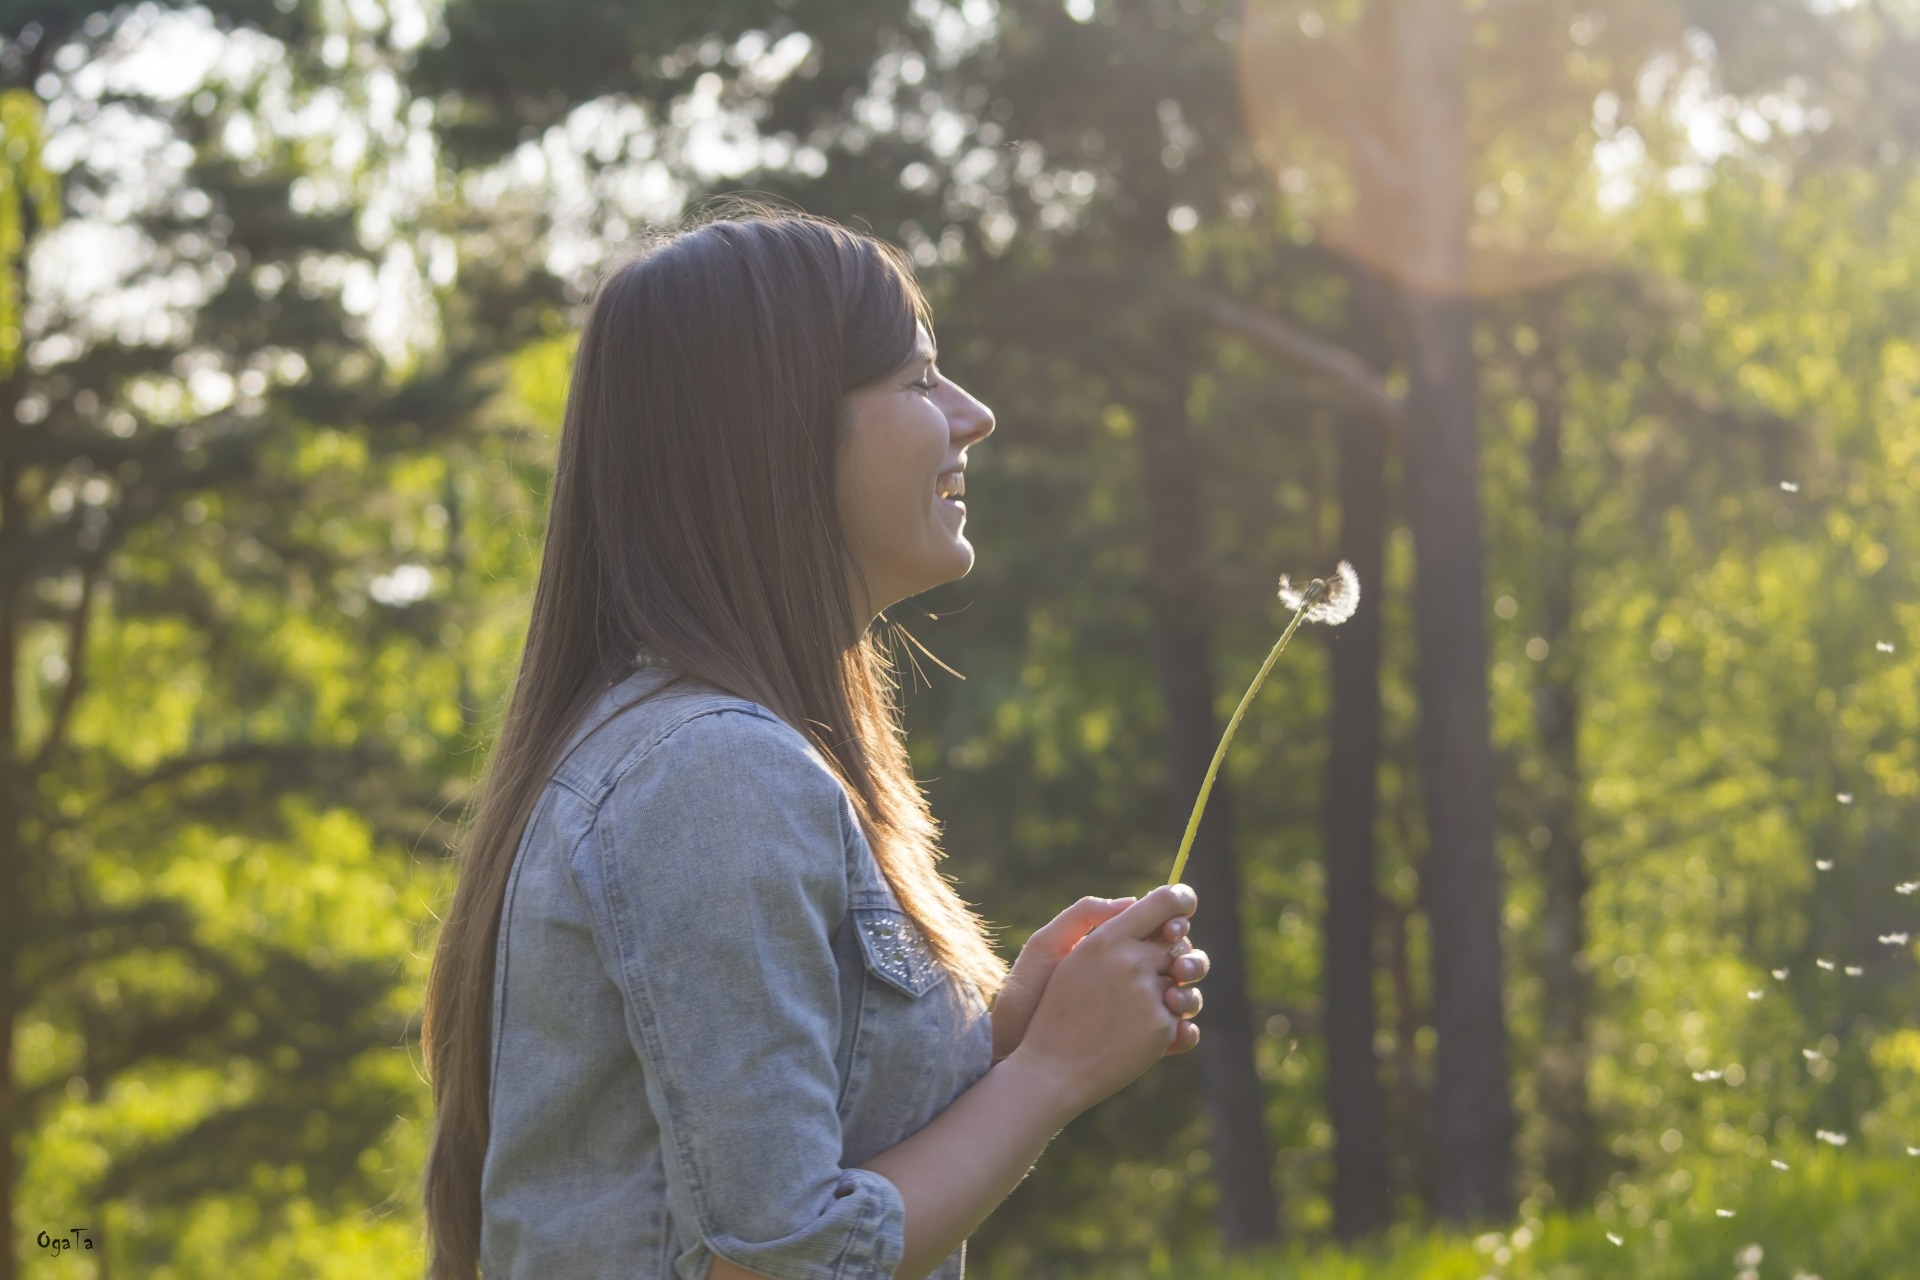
point(1311, 594)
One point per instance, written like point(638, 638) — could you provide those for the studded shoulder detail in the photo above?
point(895, 949)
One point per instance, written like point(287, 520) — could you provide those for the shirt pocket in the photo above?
point(894, 950)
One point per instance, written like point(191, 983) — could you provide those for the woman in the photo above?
point(703, 1003)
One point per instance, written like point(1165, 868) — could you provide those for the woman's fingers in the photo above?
point(1191, 967)
point(1184, 1002)
point(1078, 920)
point(1185, 1038)
point(1148, 916)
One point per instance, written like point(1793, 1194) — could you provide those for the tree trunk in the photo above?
point(1472, 1104)
point(1362, 1204)
point(16, 780)
point(1566, 997)
point(12, 925)
point(1183, 660)
point(13, 801)
point(1472, 1138)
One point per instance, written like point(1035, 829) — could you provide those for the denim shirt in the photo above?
point(708, 1007)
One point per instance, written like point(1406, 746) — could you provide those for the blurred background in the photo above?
point(1559, 904)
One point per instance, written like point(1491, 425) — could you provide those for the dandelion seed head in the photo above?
point(1327, 600)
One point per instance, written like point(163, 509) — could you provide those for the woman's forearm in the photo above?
point(957, 1169)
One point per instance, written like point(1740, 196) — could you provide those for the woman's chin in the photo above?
point(957, 564)
point(963, 561)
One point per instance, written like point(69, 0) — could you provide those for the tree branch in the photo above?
point(182, 765)
point(1357, 383)
point(77, 628)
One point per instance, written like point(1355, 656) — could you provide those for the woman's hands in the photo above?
point(1104, 1017)
point(1013, 1007)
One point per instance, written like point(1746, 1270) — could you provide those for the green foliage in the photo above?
point(28, 195)
point(303, 610)
point(1830, 1215)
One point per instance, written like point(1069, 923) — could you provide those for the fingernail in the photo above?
point(1179, 927)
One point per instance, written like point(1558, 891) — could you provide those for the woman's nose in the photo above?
point(970, 420)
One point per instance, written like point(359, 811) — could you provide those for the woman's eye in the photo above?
point(926, 384)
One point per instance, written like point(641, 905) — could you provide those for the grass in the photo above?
point(1831, 1215)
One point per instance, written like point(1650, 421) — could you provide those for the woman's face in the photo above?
point(905, 442)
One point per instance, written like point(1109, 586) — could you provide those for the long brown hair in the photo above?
point(693, 515)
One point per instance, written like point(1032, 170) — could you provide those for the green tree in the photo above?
point(209, 480)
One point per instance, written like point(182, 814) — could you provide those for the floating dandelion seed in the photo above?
point(1706, 1075)
point(1894, 939)
point(1331, 603)
point(1614, 1239)
point(1781, 974)
point(1811, 1055)
point(1725, 1213)
point(1913, 1151)
point(1908, 887)
point(1884, 647)
point(1780, 1164)
point(1755, 995)
point(1853, 971)
point(1827, 1135)
point(1789, 486)
point(1844, 797)
point(1825, 964)
point(1823, 864)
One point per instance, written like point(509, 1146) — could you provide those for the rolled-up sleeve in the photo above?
point(716, 876)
